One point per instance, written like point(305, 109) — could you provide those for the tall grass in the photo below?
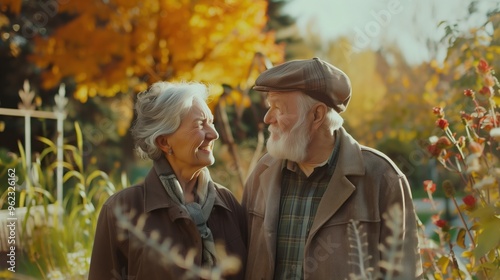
point(56, 240)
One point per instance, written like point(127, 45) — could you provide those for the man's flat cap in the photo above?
point(314, 77)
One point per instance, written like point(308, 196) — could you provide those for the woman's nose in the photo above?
point(212, 134)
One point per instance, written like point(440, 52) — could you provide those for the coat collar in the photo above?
point(155, 196)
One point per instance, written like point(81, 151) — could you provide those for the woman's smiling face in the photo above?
point(192, 143)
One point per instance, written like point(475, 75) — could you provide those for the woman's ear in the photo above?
point(319, 114)
point(162, 143)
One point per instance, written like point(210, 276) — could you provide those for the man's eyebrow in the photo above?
point(271, 98)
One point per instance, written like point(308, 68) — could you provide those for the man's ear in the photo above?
point(162, 143)
point(319, 114)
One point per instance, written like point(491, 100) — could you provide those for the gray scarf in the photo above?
point(199, 211)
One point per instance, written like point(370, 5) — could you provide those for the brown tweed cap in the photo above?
point(315, 77)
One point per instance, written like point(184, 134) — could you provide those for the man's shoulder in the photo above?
point(376, 158)
point(265, 162)
point(253, 182)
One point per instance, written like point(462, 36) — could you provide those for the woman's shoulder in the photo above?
point(129, 196)
point(223, 190)
point(226, 195)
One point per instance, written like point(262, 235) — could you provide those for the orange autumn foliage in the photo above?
point(117, 46)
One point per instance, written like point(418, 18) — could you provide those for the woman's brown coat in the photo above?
point(120, 255)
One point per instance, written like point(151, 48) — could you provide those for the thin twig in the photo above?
point(463, 221)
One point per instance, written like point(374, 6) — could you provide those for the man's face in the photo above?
point(289, 126)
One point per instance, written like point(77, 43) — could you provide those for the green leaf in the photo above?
point(46, 151)
point(73, 173)
point(95, 174)
point(442, 22)
point(488, 239)
point(21, 153)
point(79, 138)
point(22, 198)
point(47, 142)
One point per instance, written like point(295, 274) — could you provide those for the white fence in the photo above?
point(27, 109)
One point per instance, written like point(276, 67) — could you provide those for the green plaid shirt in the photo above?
point(300, 197)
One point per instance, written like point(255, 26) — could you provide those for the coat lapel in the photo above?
point(271, 192)
point(350, 162)
point(338, 191)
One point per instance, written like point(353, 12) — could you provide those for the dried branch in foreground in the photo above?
point(170, 254)
point(358, 254)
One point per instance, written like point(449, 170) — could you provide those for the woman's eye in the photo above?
point(206, 122)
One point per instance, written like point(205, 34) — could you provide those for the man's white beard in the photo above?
point(292, 145)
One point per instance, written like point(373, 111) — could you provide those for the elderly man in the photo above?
point(320, 205)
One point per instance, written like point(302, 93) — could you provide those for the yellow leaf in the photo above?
point(235, 97)
point(406, 82)
point(81, 94)
point(496, 99)
point(427, 264)
point(3, 20)
point(215, 90)
point(461, 238)
point(467, 254)
point(437, 276)
point(5, 274)
point(443, 263)
point(13, 5)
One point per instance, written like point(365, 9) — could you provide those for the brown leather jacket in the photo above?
point(127, 258)
point(364, 186)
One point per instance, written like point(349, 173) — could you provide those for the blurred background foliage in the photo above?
point(107, 51)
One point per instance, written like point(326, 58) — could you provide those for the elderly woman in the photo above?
point(180, 201)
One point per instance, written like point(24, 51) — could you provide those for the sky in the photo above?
point(408, 24)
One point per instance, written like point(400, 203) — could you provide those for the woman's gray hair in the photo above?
point(333, 119)
point(160, 110)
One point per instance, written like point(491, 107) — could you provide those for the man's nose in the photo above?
point(268, 118)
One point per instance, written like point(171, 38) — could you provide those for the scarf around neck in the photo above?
point(199, 211)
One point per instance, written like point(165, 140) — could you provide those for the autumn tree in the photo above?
point(110, 47)
point(103, 49)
